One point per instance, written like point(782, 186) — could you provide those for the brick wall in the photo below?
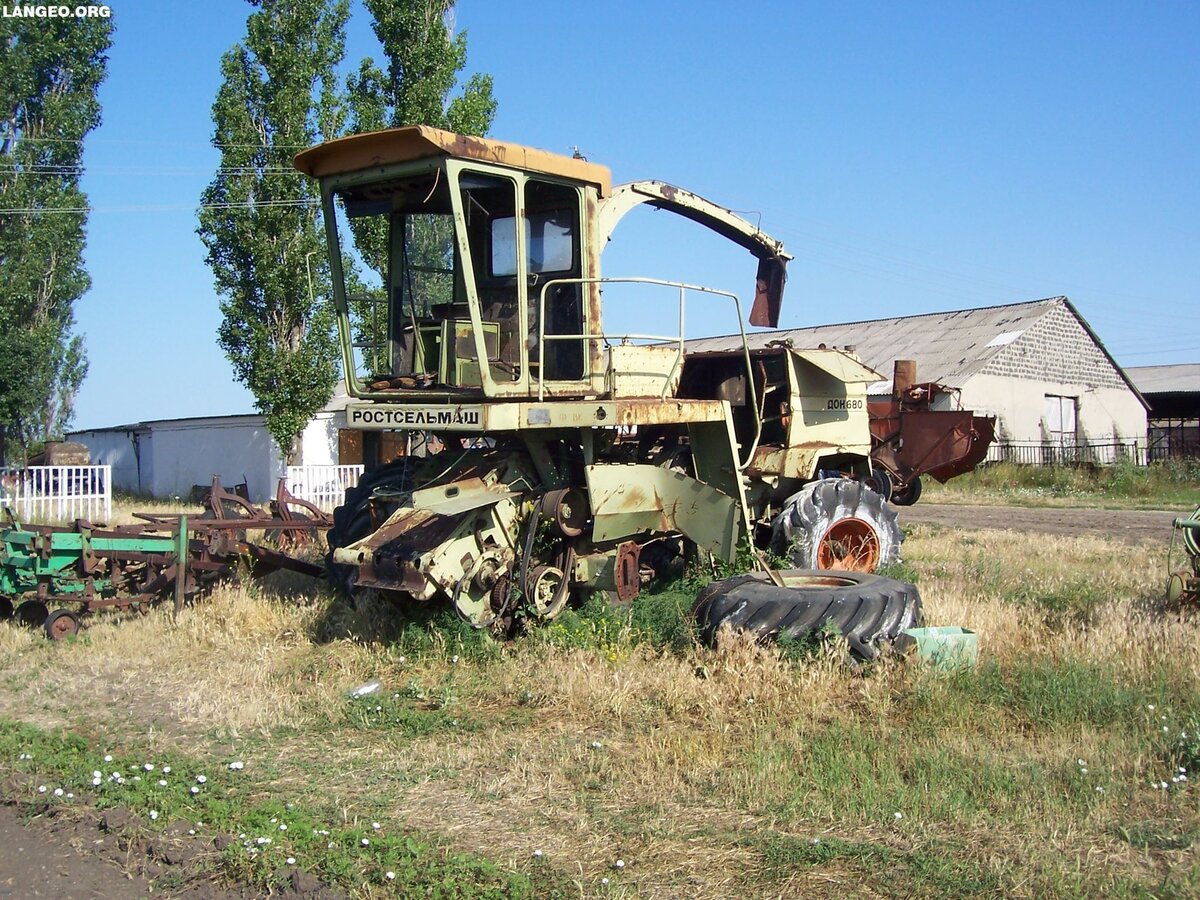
point(1056, 349)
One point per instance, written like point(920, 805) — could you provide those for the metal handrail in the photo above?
point(675, 339)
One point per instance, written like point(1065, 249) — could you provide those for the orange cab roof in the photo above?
point(397, 145)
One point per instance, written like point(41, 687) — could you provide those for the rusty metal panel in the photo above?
point(638, 371)
point(631, 499)
point(940, 443)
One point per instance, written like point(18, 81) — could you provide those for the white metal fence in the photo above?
point(322, 486)
point(37, 493)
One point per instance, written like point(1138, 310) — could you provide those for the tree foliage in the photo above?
point(50, 71)
point(423, 61)
point(261, 218)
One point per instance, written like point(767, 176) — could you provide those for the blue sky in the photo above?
point(913, 157)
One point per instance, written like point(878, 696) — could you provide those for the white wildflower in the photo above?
point(153, 814)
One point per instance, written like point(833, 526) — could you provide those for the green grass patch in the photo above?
point(1160, 485)
point(924, 869)
point(337, 847)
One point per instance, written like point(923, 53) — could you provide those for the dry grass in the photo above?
point(710, 773)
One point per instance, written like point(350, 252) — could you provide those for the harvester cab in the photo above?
point(467, 282)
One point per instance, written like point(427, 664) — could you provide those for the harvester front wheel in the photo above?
point(836, 523)
point(352, 520)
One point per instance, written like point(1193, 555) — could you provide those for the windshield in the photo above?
point(415, 289)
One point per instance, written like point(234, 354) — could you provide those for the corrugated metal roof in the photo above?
point(1181, 379)
point(949, 347)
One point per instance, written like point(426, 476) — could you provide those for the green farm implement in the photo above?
point(52, 575)
point(1184, 584)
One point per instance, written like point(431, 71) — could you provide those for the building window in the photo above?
point(1060, 419)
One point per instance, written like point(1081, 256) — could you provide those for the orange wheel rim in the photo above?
point(850, 545)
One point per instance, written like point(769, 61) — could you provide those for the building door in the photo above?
point(1061, 423)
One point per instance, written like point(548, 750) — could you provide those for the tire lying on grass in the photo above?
point(867, 609)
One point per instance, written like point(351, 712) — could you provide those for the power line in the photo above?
point(47, 140)
point(30, 211)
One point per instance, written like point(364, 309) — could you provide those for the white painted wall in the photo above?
point(319, 440)
point(1021, 405)
point(120, 449)
point(170, 456)
point(190, 452)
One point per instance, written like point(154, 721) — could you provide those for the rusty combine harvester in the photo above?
point(51, 576)
point(911, 438)
point(579, 456)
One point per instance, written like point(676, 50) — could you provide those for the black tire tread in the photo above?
point(807, 514)
point(352, 520)
point(910, 495)
point(870, 610)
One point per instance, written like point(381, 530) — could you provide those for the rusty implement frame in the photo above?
point(96, 567)
point(129, 566)
point(909, 438)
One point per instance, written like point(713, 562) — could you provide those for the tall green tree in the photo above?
point(261, 219)
point(423, 60)
point(50, 71)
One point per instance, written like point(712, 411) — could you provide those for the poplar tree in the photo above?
point(50, 71)
point(260, 218)
point(414, 86)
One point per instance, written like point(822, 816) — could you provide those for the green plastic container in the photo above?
point(946, 646)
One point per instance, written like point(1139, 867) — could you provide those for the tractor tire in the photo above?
point(352, 520)
point(881, 483)
point(909, 494)
point(836, 523)
point(867, 609)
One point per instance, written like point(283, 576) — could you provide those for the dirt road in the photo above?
point(1130, 526)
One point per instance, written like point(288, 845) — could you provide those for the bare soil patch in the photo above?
point(1131, 526)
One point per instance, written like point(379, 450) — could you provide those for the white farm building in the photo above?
point(1038, 367)
point(167, 457)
